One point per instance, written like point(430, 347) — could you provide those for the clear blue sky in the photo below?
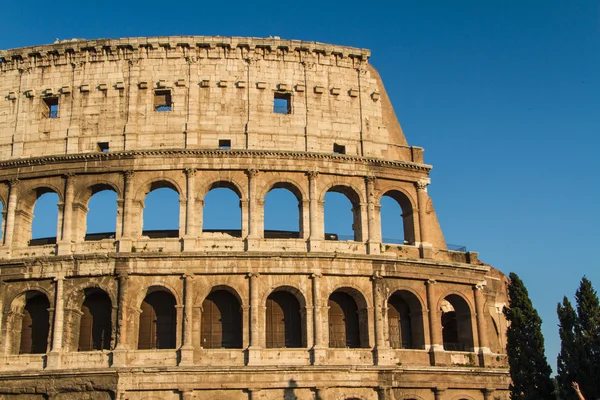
point(503, 95)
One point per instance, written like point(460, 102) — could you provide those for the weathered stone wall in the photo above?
point(223, 88)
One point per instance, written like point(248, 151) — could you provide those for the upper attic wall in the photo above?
point(222, 89)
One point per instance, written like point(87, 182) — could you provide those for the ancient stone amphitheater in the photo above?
point(230, 314)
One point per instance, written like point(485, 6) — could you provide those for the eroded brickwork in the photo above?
point(372, 320)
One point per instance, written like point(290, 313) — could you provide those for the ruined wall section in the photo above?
point(221, 89)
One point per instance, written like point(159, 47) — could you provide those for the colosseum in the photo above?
point(247, 313)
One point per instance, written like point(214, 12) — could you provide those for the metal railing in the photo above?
point(457, 247)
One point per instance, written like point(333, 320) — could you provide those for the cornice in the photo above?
point(205, 153)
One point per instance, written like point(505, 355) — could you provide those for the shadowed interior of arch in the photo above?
point(282, 214)
point(101, 218)
point(222, 211)
point(161, 212)
point(35, 324)
point(283, 320)
point(457, 330)
point(95, 326)
point(44, 226)
point(221, 323)
point(2, 220)
point(405, 321)
point(158, 320)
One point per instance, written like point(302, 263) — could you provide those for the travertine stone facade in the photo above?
point(197, 113)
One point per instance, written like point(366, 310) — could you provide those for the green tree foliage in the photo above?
point(579, 357)
point(529, 370)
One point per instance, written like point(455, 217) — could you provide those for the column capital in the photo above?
point(251, 172)
point(316, 275)
point(252, 275)
point(479, 286)
point(312, 174)
point(13, 183)
point(430, 282)
point(190, 172)
point(376, 276)
point(370, 180)
point(188, 275)
point(128, 174)
point(58, 278)
point(422, 184)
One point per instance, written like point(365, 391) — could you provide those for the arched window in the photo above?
point(344, 329)
point(44, 226)
point(457, 331)
point(282, 213)
point(161, 211)
point(95, 328)
point(342, 214)
point(405, 321)
point(101, 218)
point(222, 210)
point(221, 321)
point(35, 324)
point(283, 322)
point(158, 321)
point(397, 221)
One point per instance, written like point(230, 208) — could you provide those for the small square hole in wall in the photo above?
point(282, 103)
point(51, 110)
point(339, 149)
point(225, 144)
point(162, 101)
point(103, 147)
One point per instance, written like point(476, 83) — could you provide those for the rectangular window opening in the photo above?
point(52, 107)
point(225, 144)
point(162, 101)
point(339, 149)
point(103, 147)
point(282, 103)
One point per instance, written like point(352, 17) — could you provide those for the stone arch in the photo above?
point(355, 197)
point(235, 230)
point(349, 189)
point(75, 297)
point(82, 213)
point(227, 183)
point(463, 397)
point(408, 207)
point(457, 323)
point(156, 286)
point(26, 205)
point(28, 322)
point(154, 183)
point(267, 208)
point(96, 323)
point(284, 183)
point(345, 328)
point(405, 316)
point(85, 193)
point(228, 288)
point(157, 327)
point(285, 320)
point(221, 319)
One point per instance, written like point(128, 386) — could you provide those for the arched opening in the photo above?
point(161, 211)
point(344, 326)
point(44, 226)
point(95, 327)
point(221, 321)
point(101, 218)
point(284, 321)
point(282, 212)
point(222, 210)
point(397, 221)
point(35, 324)
point(342, 214)
point(158, 321)
point(405, 321)
point(457, 330)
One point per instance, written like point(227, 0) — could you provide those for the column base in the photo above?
point(119, 357)
point(186, 356)
point(382, 356)
point(124, 245)
point(314, 245)
point(437, 355)
point(189, 243)
point(53, 360)
point(373, 247)
point(252, 244)
point(318, 356)
point(253, 356)
point(426, 250)
point(64, 248)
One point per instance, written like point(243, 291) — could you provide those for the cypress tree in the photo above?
point(529, 370)
point(587, 334)
point(568, 357)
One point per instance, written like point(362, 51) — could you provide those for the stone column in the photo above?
point(187, 394)
point(315, 231)
point(378, 299)
point(189, 238)
point(435, 328)
point(57, 327)
point(487, 394)
point(374, 227)
point(11, 212)
point(66, 237)
point(187, 350)
point(319, 354)
point(125, 241)
point(255, 346)
point(422, 198)
point(253, 217)
point(481, 326)
point(438, 393)
point(120, 352)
